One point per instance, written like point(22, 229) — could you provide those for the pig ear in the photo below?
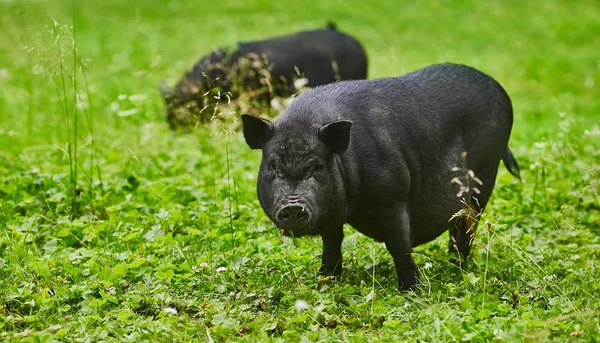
point(336, 135)
point(257, 131)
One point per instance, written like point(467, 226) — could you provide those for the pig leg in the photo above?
point(452, 248)
point(463, 231)
point(396, 229)
point(332, 251)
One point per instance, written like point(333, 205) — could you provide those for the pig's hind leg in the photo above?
point(462, 234)
point(465, 225)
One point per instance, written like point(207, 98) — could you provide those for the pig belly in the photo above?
point(426, 226)
point(432, 207)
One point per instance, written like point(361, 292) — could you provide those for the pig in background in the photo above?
point(263, 70)
point(383, 156)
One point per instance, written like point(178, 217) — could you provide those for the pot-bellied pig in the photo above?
point(264, 69)
point(400, 159)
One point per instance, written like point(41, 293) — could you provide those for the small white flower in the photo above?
point(302, 305)
point(299, 83)
point(221, 269)
point(129, 112)
point(110, 290)
point(203, 265)
point(276, 104)
point(595, 131)
point(428, 265)
point(138, 97)
point(170, 310)
point(195, 270)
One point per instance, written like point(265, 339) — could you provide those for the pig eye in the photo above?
point(313, 168)
point(275, 169)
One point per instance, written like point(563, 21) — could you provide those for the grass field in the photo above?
point(114, 228)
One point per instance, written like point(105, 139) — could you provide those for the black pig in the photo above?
point(380, 155)
point(265, 69)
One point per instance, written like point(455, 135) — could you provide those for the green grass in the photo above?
point(157, 213)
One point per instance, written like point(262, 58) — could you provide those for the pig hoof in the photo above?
point(337, 271)
point(408, 284)
point(458, 262)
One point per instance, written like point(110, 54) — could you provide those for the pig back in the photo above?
point(322, 56)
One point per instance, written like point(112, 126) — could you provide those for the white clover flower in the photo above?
point(301, 82)
point(110, 290)
point(302, 305)
point(203, 265)
point(170, 310)
point(428, 265)
point(221, 269)
point(276, 104)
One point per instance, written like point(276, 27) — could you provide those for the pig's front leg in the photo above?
point(332, 251)
point(396, 228)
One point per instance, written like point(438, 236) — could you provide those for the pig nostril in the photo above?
point(293, 215)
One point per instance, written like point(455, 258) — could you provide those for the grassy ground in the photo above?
point(166, 240)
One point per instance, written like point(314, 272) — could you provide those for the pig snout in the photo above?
point(293, 217)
